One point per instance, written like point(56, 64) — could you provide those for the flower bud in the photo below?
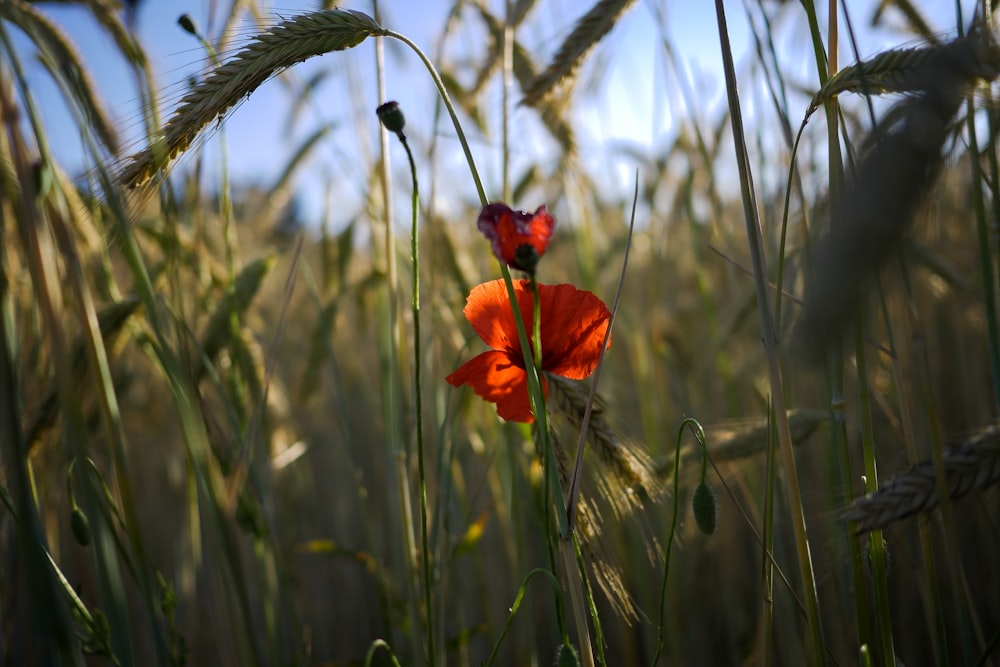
point(566, 656)
point(706, 511)
point(79, 525)
point(187, 23)
point(519, 238)
point(391, 117)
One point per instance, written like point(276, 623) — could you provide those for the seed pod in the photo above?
point(187, 24)
point(566, 656)
point(391, 116)
point(706, 510)
point(79, 525)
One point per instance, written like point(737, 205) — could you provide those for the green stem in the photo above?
point(418, 403)
point(876, 545)
point(446, 98)
point(536, 395)
point(816, 642)
point(536, 328)
point(699, 435)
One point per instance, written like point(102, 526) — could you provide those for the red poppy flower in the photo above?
point(519, 238)
point(573, 326)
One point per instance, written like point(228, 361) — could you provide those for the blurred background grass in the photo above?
point(203, 372)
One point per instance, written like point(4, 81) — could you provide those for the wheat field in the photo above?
point(741, 384)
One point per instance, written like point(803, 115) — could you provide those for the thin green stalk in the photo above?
point(767, 533)
point(108, 404)
point(591, 603)
point(389, 361)
point(878, 558)
point(516, 606)
point(418, 403)
point(50, 628)
point(446, 98)
point(699, 434)
point(373, 649)
point(987, 272)
point(839, 444)
point(934, 607)
point(816, 643)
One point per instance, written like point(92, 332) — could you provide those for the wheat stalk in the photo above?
point(594, 25)
point(552, 110)
point(898, 166)
point(63, 60)
point(970, 466)
point(290, 42)
point(588, 526)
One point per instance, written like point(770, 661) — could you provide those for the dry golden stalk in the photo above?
point(551, 109)
point(589, 532)
point(971, 466)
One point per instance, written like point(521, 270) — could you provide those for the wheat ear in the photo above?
point(631, 467)
point(970, 466)
point(552, 110)
point(589, 529)
point(290, 42)
point(590, 30)
point(968, 58)
point(62, 59)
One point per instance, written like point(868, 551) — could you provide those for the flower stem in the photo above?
point(536, 328)
point(536, 396)
point(418, 403)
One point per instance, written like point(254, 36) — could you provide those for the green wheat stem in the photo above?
point(536, 343)
point(767, 530)
point(876, 545)
point(839, 445)
point(987, 272)
point(591, 603)
point(816, 643)
point(934, 611)
point(108, 403)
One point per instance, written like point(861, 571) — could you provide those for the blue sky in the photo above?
point(638, 102)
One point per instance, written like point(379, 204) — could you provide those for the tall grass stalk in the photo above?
point(877, 555)
point(44, 277)
point(815, 644)
point(426, 552)
point(392, 399)
point(50, 636)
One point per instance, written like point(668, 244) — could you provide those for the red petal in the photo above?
point(508, 230)
point(574, 323)
point(540, 229)
point(493, 376)
point(488, 311)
